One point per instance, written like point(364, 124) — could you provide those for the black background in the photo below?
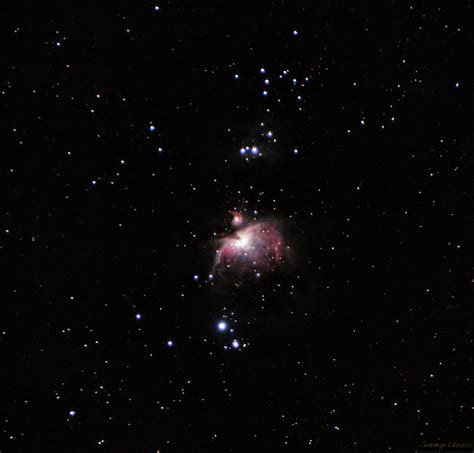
point(378, 295)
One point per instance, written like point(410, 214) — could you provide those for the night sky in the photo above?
point(236, 228)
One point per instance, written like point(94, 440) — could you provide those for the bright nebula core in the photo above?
point(251, 247)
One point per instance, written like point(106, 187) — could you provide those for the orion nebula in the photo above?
point(253, 246)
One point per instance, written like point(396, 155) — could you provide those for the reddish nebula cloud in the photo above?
point(237, 219)
point(251, 247)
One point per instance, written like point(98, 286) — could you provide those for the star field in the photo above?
point(233, 228)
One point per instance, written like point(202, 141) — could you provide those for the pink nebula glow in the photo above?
point(252, 247)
